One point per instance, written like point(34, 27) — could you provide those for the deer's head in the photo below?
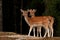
point(24, 12)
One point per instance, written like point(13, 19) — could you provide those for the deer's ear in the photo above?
point(34, 10)
point(21, 10)
point(28, 10)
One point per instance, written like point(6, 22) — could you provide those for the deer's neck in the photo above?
point(27, 20)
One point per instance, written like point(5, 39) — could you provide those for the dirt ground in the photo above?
point(14, 36)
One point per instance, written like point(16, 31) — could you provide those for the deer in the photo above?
point(34, 21)
point(51, 20)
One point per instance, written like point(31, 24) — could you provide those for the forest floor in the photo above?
point(14, 36)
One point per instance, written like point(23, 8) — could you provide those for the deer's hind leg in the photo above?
point(46, 30)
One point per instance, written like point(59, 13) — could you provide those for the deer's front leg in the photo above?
point(34, 31)
point(30, 30)
point(37, 31)
point(40, 31)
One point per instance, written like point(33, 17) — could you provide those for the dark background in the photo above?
point(12, 15)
